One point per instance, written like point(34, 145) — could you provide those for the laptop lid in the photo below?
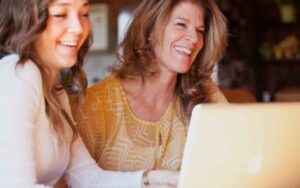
point(242, 146)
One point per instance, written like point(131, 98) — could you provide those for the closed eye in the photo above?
point(86, 14)
point(180, 24)
point(200, 31)
point(59, 15)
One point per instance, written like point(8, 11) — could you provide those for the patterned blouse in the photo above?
point(119, 140)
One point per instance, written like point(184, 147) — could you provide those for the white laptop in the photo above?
point(243, 146)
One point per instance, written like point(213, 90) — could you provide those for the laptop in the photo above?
point(242, 146)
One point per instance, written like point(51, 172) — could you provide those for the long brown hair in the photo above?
point(21, 24)
point(135, 52)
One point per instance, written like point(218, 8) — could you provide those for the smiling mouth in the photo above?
point(183, 50)
point(69, 43)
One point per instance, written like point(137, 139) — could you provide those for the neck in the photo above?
point(157, 89)
point(149, 100)
point(163, 85)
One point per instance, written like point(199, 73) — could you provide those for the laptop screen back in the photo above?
point(243, 146)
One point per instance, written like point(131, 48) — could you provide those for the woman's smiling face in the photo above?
point(68, 27)
point(182, 39)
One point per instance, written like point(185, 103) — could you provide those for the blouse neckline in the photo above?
point(166, 115)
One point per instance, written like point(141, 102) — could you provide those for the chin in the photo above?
point(183, 67)
point(183, 70)
point(68, 63)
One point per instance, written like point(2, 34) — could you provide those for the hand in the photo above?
point(162, 179)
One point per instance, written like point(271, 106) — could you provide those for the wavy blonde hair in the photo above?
point(135, 52)
point(21, 23)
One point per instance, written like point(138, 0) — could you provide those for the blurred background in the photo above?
point(263, 54)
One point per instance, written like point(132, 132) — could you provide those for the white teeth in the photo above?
point(69, 43)
point(184, 50)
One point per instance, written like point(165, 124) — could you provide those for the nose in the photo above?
point(75, 25)
point(192, 35)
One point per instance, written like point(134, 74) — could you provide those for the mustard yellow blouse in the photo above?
point(118, 140)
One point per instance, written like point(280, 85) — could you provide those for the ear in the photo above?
point(150, 38)
point(153, 38)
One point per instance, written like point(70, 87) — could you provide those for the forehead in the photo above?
point(188, 10)
point(69, 2)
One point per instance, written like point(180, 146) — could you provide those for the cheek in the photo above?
point(201, 43)
point(86, 28)
point(200, 46)
point(85, 33)
point(199, 49)
point(171, 38)
point(55, 30)
point(43, 44)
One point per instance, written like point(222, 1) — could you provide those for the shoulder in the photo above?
point(95, 95)
point(21, 86)
point(100, 97)
point(27, 73)
point(103, 89)
point(24, 77)
point(110, 81)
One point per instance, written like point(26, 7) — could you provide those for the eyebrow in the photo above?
point(182, 18)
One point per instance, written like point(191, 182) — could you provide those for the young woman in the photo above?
point(39, 142)
point(138, 117)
